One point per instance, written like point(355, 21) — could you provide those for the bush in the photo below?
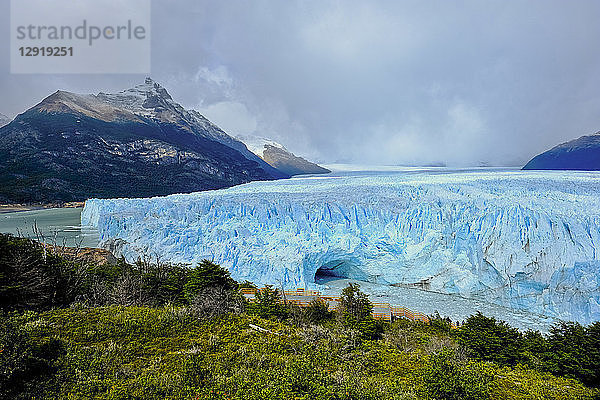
point(135, 284)
point(318, 311)
point(165, 353)
point(215, 301)
point(26, 367)
point(446, 376)
point(33, 278)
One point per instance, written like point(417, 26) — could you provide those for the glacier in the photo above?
point(525, 240)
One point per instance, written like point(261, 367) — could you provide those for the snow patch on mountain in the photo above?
point(279, 157)
point(257, 144)
point(525, 240)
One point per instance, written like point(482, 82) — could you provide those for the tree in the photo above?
point(354, 305)
point(490, 340)
point(533, 346)
point(205, 275)
point(574, 352)
point(268, 304)
point(442, 325)
point(355, 312)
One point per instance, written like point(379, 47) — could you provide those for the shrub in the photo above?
point(446, 376)
point(163, 353)
point(214, 301)
point(318, 311)
point(26, 367)
point(33, 278)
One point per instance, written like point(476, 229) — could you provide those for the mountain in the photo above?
point(578, 154)
point(279, 157)
point(135, 143)
point(4, 120)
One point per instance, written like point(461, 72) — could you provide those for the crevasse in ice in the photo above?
point(526, 240)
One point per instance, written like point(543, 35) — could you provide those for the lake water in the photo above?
point(60, 226)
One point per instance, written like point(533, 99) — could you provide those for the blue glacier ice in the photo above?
point(522, 239)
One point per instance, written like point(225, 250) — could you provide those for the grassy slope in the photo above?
point(166, 353)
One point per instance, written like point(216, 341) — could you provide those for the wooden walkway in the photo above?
point(384, 311)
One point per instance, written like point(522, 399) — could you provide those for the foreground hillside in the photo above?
point(135, 143)
point(169, 353)
point(71, 330)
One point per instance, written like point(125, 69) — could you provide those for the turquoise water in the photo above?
point(60, 226)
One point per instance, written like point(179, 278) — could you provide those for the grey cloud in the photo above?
point(389, 82)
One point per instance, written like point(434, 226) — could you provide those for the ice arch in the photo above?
point(340, 269)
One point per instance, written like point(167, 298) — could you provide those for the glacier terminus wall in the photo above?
point(523, 239)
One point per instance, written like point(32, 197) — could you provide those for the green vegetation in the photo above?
point(207, 275)
point(318, 311)
point(570, 350)
point(355, 312)
point(149, 331)
point(268, 304)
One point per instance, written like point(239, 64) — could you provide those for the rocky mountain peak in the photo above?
point(148, 99)
point(153, 88)
point(150, 88)
point(142, 99)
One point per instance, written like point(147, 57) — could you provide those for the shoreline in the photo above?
point(12, 208)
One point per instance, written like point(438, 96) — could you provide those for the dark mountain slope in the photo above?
point(578, 154)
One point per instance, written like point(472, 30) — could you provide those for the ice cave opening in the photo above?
point(339, 269)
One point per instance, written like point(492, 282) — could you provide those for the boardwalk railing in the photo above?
point(302, 298)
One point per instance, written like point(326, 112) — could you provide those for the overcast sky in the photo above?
point(389, 82)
